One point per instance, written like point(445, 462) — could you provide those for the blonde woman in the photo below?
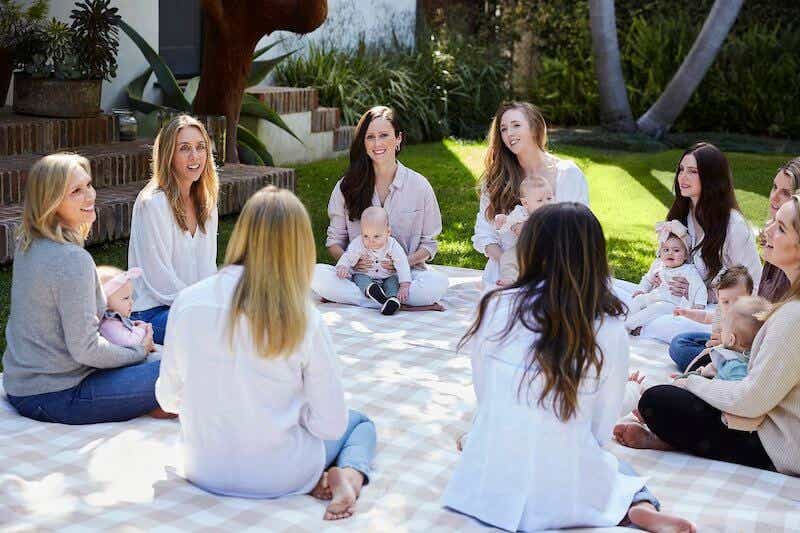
point(249, 366)
point(57, 367)
point(517, 148)
point(174, 225)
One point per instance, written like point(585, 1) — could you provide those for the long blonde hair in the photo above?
point(203, 192)
point(502, 172)
point(273, 241)
point(45, 188)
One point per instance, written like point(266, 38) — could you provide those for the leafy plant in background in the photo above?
point(252, 150)
point(20, 28)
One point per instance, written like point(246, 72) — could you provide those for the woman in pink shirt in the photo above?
point(376, 177)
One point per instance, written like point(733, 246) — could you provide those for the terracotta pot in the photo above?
point(49, 97)
point(5, 74)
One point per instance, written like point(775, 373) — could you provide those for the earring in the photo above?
point(397, 147)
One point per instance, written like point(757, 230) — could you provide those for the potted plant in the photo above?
point(16, 24)
point(65, 65)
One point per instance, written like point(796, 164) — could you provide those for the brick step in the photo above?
point(285, 100)
point(342, 137)
point(112, 164)
point(114, 205)
point(23, 134)
point(325, 119)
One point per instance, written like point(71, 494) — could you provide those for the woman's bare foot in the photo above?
point(345, 484)
point(159, 413)
point(645, 516)
point(322, 490)
point(433, 307)
point(635, 435)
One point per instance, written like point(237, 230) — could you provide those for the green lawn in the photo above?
point(629, 192)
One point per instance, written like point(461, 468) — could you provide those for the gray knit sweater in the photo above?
point(52, 338)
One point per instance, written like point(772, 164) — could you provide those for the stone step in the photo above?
point(112, 164)
point(325, 119)
point(23, 134)
point(286, 100)
point(114, 205)
point(342, 137)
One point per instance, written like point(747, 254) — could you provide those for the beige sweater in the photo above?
point(771, 388)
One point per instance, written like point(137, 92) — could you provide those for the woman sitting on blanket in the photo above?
point(249, 366)
point(376, 178)
point(773, 284)
point(549, 381)
point(57, 366)
point(517, 148)
point(755, 421)
point(705, 202)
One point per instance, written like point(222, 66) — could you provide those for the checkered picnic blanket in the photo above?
point(403, 371)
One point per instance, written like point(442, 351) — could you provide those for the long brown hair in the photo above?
point(204, 191)
point(793, 292)
point(502, 172)
point(358, 183)
point(713, 210)
point(563, 290)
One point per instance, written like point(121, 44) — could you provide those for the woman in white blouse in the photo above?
point(174, 225)
point(376, 177)
point(517, 149)
point(705, 202)
point(249, 366)
point(549, 367)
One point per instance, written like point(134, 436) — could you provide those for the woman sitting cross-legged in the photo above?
point(755, 421)
point(549, 367)
point(376, 178)
point(57, 366)
point(249, 366)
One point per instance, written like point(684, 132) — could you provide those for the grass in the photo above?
point(629, 192)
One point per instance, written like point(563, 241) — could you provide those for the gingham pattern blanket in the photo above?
point(402, 371)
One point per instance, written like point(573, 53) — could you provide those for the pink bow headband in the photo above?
point(673, 227)
point(114, 284)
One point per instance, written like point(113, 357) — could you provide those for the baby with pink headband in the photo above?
point(116, 325)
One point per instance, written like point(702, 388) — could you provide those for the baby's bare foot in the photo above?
point(637, 436)
point(646, 517)
point(345, 484)
point(322, 490)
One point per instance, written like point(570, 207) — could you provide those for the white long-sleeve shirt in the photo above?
point(251, 426)
point(697, 294)
point(525, 469)
point(171, 259)
point(392, 251)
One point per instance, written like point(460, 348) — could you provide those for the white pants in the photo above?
point(427, 287)
point(640, 315)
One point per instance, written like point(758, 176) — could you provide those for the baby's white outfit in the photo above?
point(392, 251)
point(509, 269)
point(658, 301)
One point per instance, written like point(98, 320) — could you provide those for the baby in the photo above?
point(738, 329)
point(651, 301)
point(534, 192)
point(387, 288)
point(116, 325)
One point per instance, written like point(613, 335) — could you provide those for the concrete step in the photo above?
point(23, 134)
point(286, 100)
point(112, 164)
point(325, 119)
point(114, 205)
point(342, 137)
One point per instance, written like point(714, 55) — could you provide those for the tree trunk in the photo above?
point(524, 61)
point(614, 106)
point(658, 119)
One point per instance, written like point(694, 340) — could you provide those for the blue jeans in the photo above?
point(644, 494)
point(686, 346)
point(390, 285)
point(356, 448)
point(157, 316)
point(108, 395)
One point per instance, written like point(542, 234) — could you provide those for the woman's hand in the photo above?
point(494, 251)
point(517, 228)
point(147, 340)
point(364, 263)
point(714, 340)
point(342, 272)
point(388, 265)
point(679, 286)
point(655, 281)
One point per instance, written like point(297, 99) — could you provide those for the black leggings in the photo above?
point(689, 424)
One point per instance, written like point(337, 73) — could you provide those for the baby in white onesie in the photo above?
point(651, 300)
point(387, 288)
point(534, 192)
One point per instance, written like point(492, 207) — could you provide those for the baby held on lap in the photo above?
point(534, 192)
point(116, 325)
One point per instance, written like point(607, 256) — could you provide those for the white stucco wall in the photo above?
point(142, 15)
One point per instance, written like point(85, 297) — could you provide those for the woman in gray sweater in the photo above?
point(57, 367)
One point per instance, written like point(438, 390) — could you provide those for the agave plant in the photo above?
point(252, 150)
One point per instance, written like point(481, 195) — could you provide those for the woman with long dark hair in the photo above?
point(549, 364)
point(376, 178)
